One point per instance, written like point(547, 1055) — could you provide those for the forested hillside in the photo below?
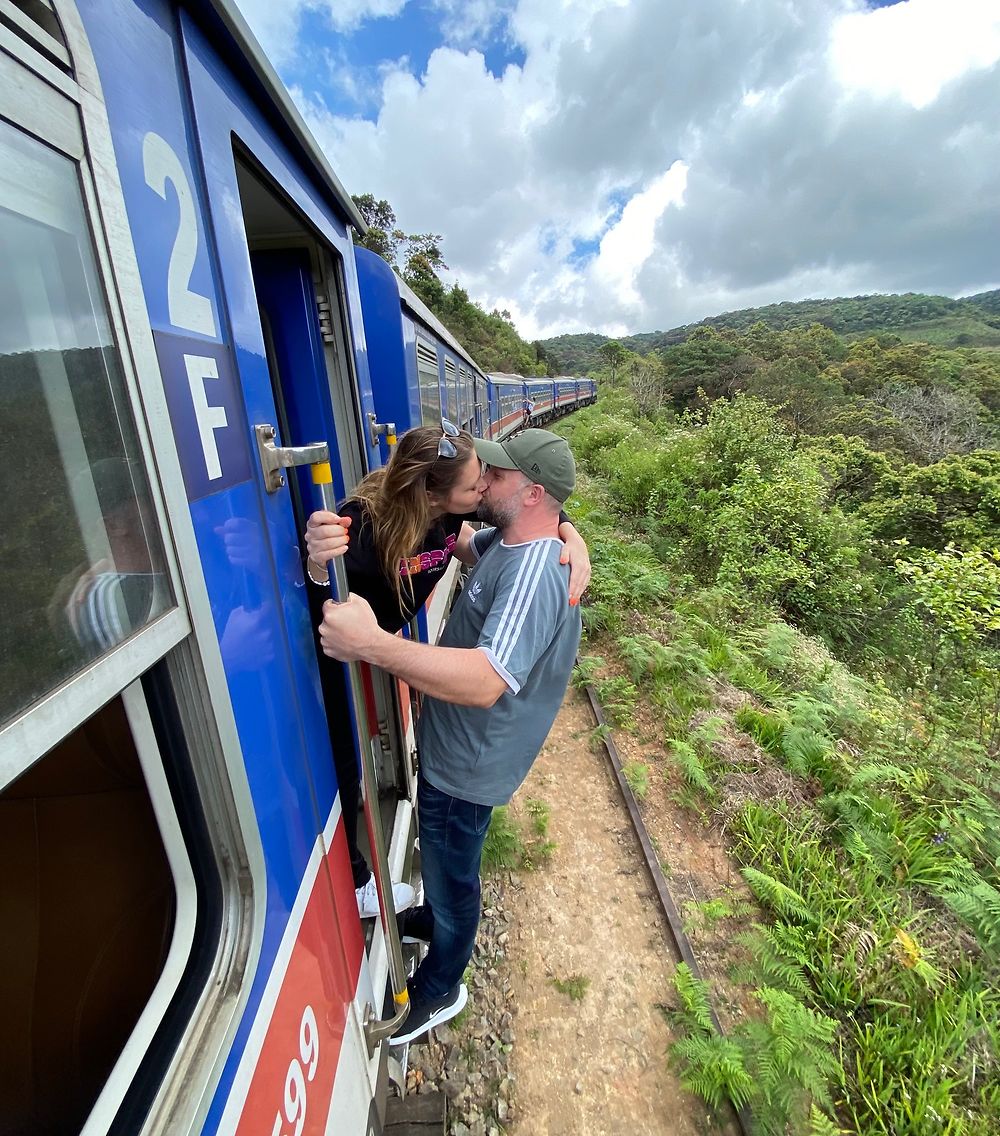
point(970, 322)
point(906, 401)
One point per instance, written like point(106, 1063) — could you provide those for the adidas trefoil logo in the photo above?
point(474, 589)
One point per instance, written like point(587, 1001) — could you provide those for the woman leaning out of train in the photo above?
point(397, 532)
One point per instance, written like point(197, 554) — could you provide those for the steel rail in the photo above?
point(681, 944)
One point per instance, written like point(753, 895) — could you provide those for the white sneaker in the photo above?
point(402, 897)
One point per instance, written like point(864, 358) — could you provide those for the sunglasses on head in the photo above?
point(446, 447)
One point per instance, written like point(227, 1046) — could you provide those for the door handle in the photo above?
point(274, 459)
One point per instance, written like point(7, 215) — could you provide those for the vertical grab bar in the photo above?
point(376, 1029)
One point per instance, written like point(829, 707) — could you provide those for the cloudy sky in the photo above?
point(632, 165)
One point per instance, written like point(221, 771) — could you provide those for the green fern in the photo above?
point(804, 749)
point(791, 1058)
point(503, 846)
point(697, 1010)
point(778, 896)
point(586, 669)
point(708, 732)
point(618, 699)
point(821, 1125)
point(690, 766)
point(778, 957)
point(645, 658)
point(979, 906)
point(712, 1066)
point(636, 773)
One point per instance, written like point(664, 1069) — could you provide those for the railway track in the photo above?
point(678, 941)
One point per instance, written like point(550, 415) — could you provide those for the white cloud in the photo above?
point(346, 15)
point(627, 245)
point(275, 26)
point(467, 23)
point(816, 149)
point(912, 50)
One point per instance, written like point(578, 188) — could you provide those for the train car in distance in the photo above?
point(189, 334)
point(541, 400)
point(422, 371)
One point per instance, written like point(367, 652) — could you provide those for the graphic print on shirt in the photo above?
point(428, 561)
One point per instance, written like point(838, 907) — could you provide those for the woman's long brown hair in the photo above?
point(395, 497)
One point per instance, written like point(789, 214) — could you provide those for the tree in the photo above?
point(384, 236)
point(805, 395)
point(936, 420)
point(645, 376)
point(422, 258)
point(613, 355)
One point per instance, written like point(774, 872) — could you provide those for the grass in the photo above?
point(636, 773)
point(574, 987)
point(510, 846)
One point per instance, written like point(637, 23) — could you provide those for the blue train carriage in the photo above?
point(420, 371)
point(541, 400)
point(506, 399)
point(566, 394)
point(180, 298)
point(586, 392)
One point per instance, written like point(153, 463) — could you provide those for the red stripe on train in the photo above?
point(298, 1059)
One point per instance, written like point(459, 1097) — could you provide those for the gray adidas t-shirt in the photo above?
point(515, 607)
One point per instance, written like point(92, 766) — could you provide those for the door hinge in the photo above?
point(325, 313)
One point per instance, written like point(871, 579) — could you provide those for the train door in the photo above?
point(480, 411)
point(126, 840)
point(285, 271)
point(299, 289)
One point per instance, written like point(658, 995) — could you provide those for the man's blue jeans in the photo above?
point(452, 832)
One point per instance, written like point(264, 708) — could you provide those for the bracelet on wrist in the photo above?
point(318, 583)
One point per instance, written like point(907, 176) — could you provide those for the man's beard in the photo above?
point(500, 513)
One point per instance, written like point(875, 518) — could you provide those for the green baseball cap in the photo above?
point(540, 455)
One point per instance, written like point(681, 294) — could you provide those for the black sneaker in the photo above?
point(416, 925)
point(425, 1015)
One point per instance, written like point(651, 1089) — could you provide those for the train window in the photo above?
point(83, 567)
point(464, 383)
point(451, 390)
point(429, 382)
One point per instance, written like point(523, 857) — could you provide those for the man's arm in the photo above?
point(463, 546)
point(462, 675)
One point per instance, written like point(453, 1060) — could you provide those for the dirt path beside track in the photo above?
point(594, 1065)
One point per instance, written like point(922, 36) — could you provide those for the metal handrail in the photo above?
point(376, 1029)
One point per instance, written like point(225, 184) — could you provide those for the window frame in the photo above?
point(35, 729)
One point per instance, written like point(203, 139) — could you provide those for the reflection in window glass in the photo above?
point(81, 567)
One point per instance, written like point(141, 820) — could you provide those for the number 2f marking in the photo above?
point(187, 309)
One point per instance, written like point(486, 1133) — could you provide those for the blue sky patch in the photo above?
point(583, 251)
point(345, 69)
point(617, 200)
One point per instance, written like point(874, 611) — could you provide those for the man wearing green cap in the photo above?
point(494, 684)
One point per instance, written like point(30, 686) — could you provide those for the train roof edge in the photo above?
point(377, 264)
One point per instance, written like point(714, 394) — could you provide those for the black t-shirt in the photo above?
point(422, 570)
